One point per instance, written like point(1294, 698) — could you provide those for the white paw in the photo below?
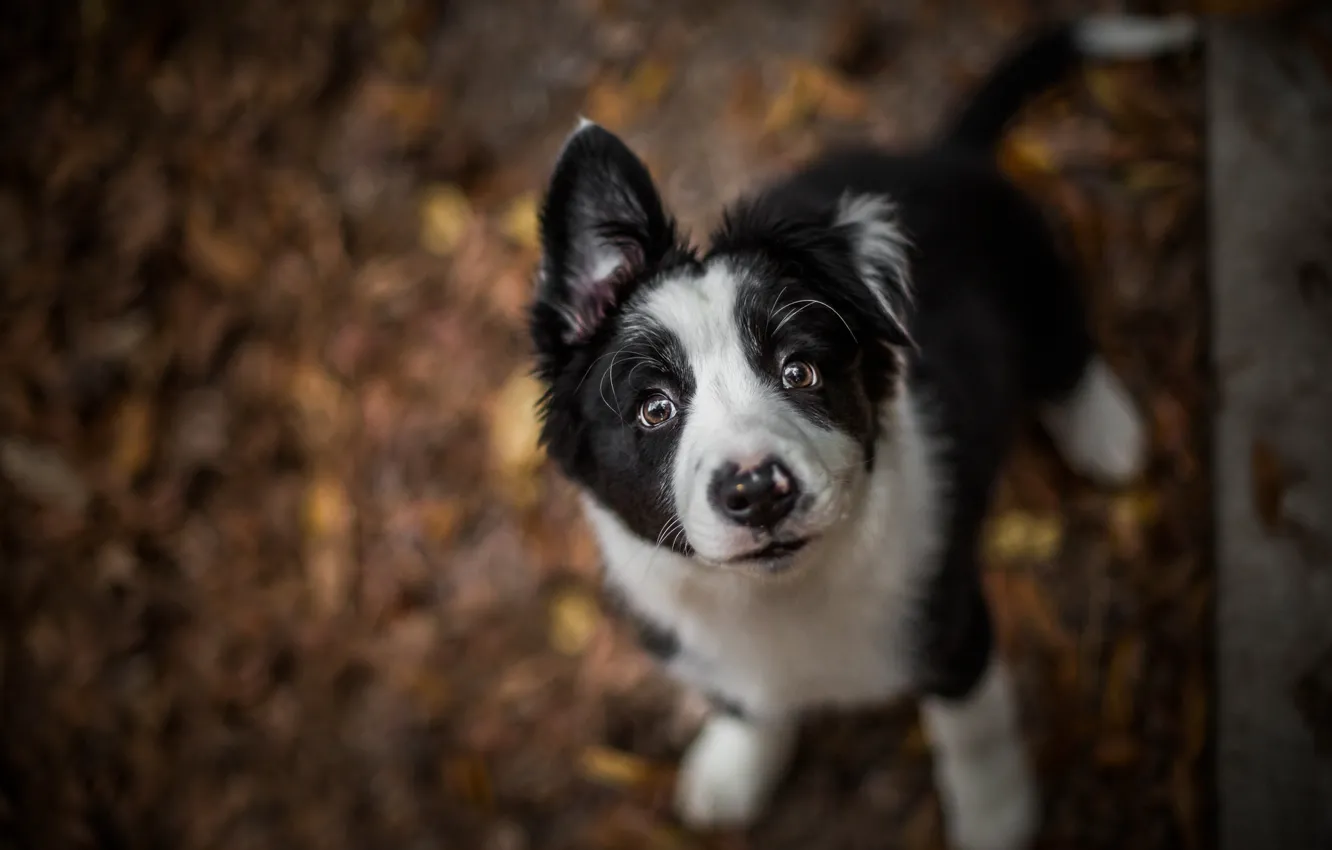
point(729, 771)
point(995, 808)
point(1098, 429)
point(980, 767)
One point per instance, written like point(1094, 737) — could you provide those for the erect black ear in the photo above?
point(602, 226)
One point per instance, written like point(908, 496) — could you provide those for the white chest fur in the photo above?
point(837, 633)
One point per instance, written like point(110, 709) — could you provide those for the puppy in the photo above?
point(786, 444)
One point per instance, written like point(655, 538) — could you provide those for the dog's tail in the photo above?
point(1046, 57)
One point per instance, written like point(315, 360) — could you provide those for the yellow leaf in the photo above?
point(1019, 536)
point(615, 767)
point(1129, 515)
point(520, 224)
point(609, 105)
point(649, 81)
point(1117, 751)
point(811, 91)
point(327, 509)
point(1154, 176)
point(440, 519)
point(1118, 703)
point(133, 438)
point(574, 617)
point(515, 432)
point(327, 517)
point(1108, 89)
point(445, 216)
point(1022, 154)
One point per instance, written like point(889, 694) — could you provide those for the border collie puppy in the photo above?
point(786, 443)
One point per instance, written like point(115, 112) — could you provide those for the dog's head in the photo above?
point(725, 405)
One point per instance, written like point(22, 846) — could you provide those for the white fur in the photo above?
point(1098, 428)
point(730, 771)
point(880, 246)
point(981, 769)
point(1132, 37)
point(837, 634)
point(735, 417)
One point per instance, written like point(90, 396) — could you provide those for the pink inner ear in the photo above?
point(590, 309)
point(594, 298)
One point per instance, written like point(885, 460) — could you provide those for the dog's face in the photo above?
point(724, 405)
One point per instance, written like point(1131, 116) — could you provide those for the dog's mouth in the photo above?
point(773, 557)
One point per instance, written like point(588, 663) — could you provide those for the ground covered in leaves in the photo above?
point(282, 566)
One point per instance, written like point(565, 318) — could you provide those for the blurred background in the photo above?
point(281, 564)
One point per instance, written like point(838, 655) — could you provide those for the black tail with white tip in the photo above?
point(1046, 57)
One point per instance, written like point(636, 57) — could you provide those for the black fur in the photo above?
point(1036, 64)
point(996, 324)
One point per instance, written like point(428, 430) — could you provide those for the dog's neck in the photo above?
point(890, 528)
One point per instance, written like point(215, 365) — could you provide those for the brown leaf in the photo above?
point(1118, 700)
point(1130, 514)
point(615, 768)
point(1269, 483)
point(922, 828)
point(1026, 156)
point(41, 474)
point(1033, 608)
point(218, 255)
point(328, 515)
point(134, 437)
point(469, 778)
point(1117, 751)
point(1194, 717)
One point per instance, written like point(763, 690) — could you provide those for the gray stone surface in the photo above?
point(1270, 179)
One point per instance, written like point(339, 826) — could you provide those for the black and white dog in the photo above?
point(786, 444)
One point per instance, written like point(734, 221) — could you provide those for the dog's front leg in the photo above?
point(731, 769)
point(980, 765)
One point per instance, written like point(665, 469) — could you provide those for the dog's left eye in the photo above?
point(656, 411)
point(799, 375)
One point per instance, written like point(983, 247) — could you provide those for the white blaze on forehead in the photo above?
point(701, 313)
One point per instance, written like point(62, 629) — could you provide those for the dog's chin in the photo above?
point(777, 561)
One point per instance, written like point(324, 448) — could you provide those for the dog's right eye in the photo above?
point(656, 411)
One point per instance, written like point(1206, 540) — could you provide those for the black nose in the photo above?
point(759, 496)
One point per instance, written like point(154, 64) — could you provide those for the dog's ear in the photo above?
point(880, 253)
point(602, 227)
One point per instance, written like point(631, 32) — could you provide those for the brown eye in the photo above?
point(799, 375)
point(656, 411)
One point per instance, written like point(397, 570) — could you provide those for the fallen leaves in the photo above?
point(519, 222)
point(811, 91)
point(515, 432)
point(42, 475)
point(445, 215)
point(327, 521)
point(1023, 537)
point(133, 440)
point(616, 102)
point(1269, 479)
point(616, 768)
point(218, 254)
point(574, 619)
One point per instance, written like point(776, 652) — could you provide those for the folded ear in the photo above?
point(602, 227)
point(879, 250)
